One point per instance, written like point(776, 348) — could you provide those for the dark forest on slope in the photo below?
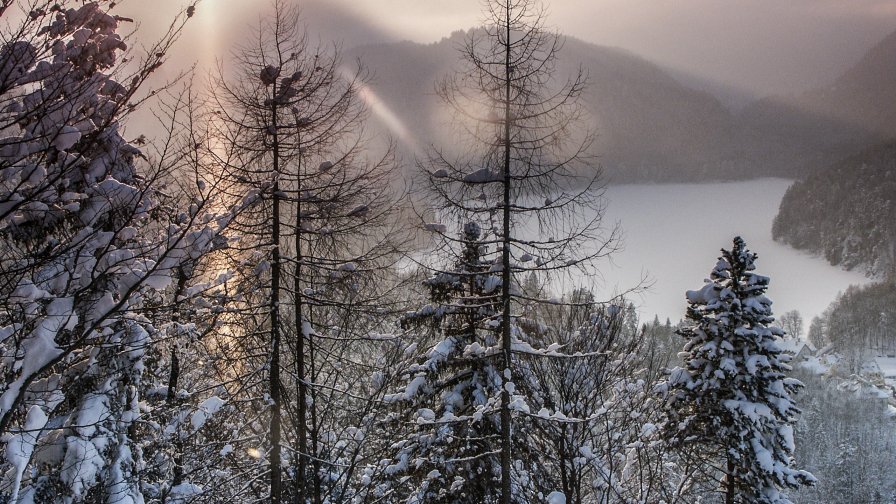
point(804, 132)
point(846, 212)
point(860, 322)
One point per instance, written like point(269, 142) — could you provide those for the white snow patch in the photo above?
point(556, 498)
point(206, 410)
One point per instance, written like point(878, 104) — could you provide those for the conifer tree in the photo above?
point(731, 404)
point(450, 456)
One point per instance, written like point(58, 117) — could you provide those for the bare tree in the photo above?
point(289, 125)
point(90, 243)
point(529, 187)
point(792, 323)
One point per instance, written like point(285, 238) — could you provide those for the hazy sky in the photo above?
point(760, 45)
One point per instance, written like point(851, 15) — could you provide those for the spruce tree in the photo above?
point(453, 453)
point(731, 403)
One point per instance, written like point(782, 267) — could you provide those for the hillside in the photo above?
point(800, 133)
point(861, 321)
point(846, 212)
point(653, 124)
point(649, 125)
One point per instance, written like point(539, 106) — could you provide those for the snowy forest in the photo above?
point(261, 297)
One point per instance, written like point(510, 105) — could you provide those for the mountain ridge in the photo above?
point(653, 124)
point(649, 126)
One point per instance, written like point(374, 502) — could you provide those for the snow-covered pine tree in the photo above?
point(731, 404)
point(86, 251)
point(452, 452)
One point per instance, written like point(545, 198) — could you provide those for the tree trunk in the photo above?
point(173, 378)
point(317, 496)
point(505, 283)
point(178, 476)
point(300, 350)
point(729, 482)
point(274, 378)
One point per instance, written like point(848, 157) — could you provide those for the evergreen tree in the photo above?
point(453, 453)
point(731, 404)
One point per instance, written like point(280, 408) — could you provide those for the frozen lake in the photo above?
point(673, 232)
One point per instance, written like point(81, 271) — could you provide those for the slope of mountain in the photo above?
point(651, 123)
point(800, 133)
point(846, 212)
point(649, 126)
point(866, 94)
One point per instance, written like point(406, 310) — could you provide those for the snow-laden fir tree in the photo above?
point(731, 403)
point(453, 453)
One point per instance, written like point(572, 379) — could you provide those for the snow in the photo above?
point(491, 283)
point(482, 176)
point(413, 386)
point(658, 222)
point(68, 136)
point(184, 492)
point(556, 498)
point(886, 365)
point(816, 365)
point(648, 429)
point(41, 349)
point(436, 227)
point(755, 412)
point(425, 415)
point(269, 75)
point(206, 410)
point(359, 211)
point(20, 446)
point(83, 461)
point(518, 403)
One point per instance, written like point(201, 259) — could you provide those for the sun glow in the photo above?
point(383, 113)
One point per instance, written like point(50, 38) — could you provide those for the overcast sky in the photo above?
point(764, 46)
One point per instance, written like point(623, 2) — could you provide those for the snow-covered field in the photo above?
point(673, 233)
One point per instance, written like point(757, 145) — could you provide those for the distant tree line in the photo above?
point(860, 323)
point(846, 436)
